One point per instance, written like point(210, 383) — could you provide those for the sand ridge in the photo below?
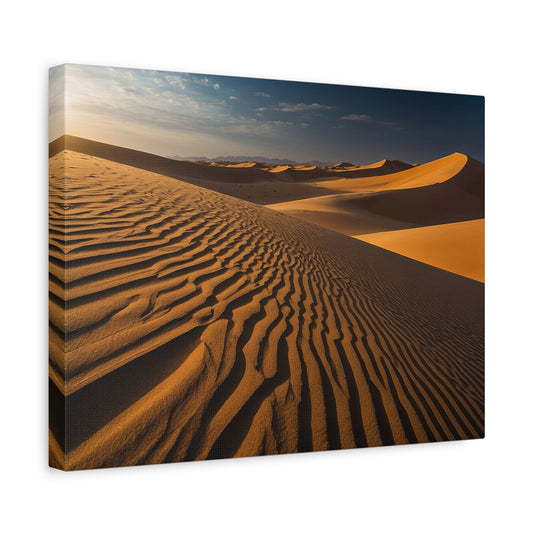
point(385, 166)
point(430, 173)
point(200, 325)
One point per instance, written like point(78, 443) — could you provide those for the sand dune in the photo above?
point(385, 166)
point(311, 173)
point(431, 173)
point(457, 247)
point(278, 168)
point(201, 326)
point(244, 164)
point(447, 190)
point(346, 168)
point(341, 165)
point(304, 167)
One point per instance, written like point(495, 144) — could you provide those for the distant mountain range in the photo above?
point(257, 159)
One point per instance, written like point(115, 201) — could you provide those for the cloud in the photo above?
point(290, 108)
point(370, 120)
point(157, 109)
point(264, 95)
point(176, 80)
point(358, 117)
point(206, 81)
point(261, 109)
point(252, 126)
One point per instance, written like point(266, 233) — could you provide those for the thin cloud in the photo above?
point(264, 95)
point(358, 117)
point(291, 108)
point(234, 98)
point(257, 127)
point(176, 80)
point(370, 120)
point(206, 81)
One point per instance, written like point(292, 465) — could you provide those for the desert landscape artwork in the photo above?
point(242, 267)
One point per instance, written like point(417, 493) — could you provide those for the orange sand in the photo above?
point(457, 247)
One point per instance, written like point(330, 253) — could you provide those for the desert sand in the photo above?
point(188, 324)
point(382, 167)
point(457, 247)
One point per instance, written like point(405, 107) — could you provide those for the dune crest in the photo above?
point(244, 164)
point(278, 168)
point(430, 173)
point(385, 166)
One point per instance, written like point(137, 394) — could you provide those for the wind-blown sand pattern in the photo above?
point(186, 324)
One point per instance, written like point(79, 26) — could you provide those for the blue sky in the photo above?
point(171, 113)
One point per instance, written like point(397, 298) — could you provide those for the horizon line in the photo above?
point(264, 157)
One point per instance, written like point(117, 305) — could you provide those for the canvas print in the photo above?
point(244, 267)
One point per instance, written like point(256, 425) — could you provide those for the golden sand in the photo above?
point(458, 247)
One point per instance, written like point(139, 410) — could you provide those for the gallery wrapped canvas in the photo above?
point(243, 267)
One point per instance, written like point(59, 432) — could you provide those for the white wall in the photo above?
point(452, 46)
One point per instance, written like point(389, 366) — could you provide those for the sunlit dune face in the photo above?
point(457, 247)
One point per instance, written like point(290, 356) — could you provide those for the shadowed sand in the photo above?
point(186, 324)
point(458, 247)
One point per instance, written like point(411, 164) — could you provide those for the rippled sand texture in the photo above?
point(186, 324)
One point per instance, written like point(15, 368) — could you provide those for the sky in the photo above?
point(179, 114)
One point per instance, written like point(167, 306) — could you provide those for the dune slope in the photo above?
point(457, 247)
point(437, 171)
point(186, 324)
